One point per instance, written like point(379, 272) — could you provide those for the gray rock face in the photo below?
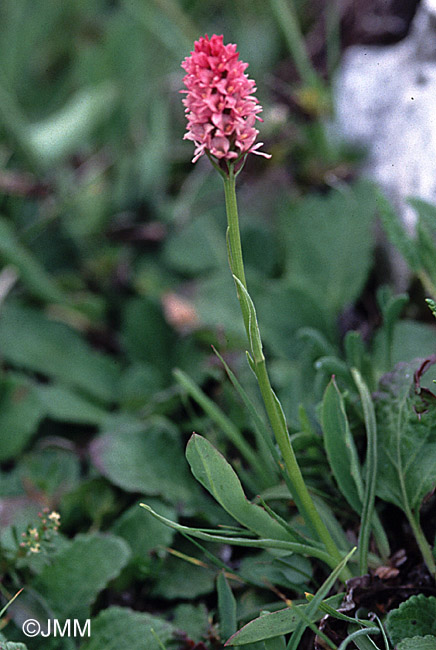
point(386, 102)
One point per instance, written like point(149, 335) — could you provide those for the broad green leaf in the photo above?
point(406, 440)
point(184, 575)
point(66, 405)
point(50, 471)
point(147, 336)
point(340, 448)
point(410, 340)
point(11, 645)
point(426, 642)
point(30, 340)
point(144, 457)
point(415, 617)
point(325, 233)
point(290, 571)
point(197, 248)
point(276, 643)
point(31, 273)
point(144, 534)
point(121, 627)
point(284, 309)
point(192, 619)
point(391, 307)
point(21, 411)
point(77, 575)
point(212, 470)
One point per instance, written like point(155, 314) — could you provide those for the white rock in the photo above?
point(386, 102)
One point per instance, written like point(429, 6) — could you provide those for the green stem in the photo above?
point(287, 20)
point(427, 282)
point(424, 546)
point(275, 414)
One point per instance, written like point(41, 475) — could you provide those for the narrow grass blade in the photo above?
point(225, 424)
point(317, 600)
point(2, 611)
point(226, 608)
point(291, 547)
point(263, 434)
point(357, 633)
point(371, 470)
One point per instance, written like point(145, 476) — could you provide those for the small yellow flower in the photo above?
point(55, 518)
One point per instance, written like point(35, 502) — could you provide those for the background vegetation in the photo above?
point(115, 273)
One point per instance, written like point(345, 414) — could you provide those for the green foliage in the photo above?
point(20, 414)
point(340, 447)
point(118, 626)
point(406, 441)
point(324, 235)
point(30, 340)
point(144, 536)
point(287, 620)
point(226, 607)
point(10, 645)
point(131, 446)
point(427, 642)
point(212, 470)
point(274, 624)
point(73, 581)
point(415, 617)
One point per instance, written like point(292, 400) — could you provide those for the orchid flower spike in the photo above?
point(219, 105)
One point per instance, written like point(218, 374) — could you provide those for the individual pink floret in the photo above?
point(219, 105)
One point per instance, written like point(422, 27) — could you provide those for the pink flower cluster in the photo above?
point(220, 108)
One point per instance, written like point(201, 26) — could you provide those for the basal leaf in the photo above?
point(415, 617)
point(212, 470)
point(66, 405)
point(406, 440)
point(11, 645)
point(30, 340)
point(73, 581)
point(120, 627)
point(324, 234)
point(21, 411)
point(427, 642)
point(144, 457)
point(143, 534)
